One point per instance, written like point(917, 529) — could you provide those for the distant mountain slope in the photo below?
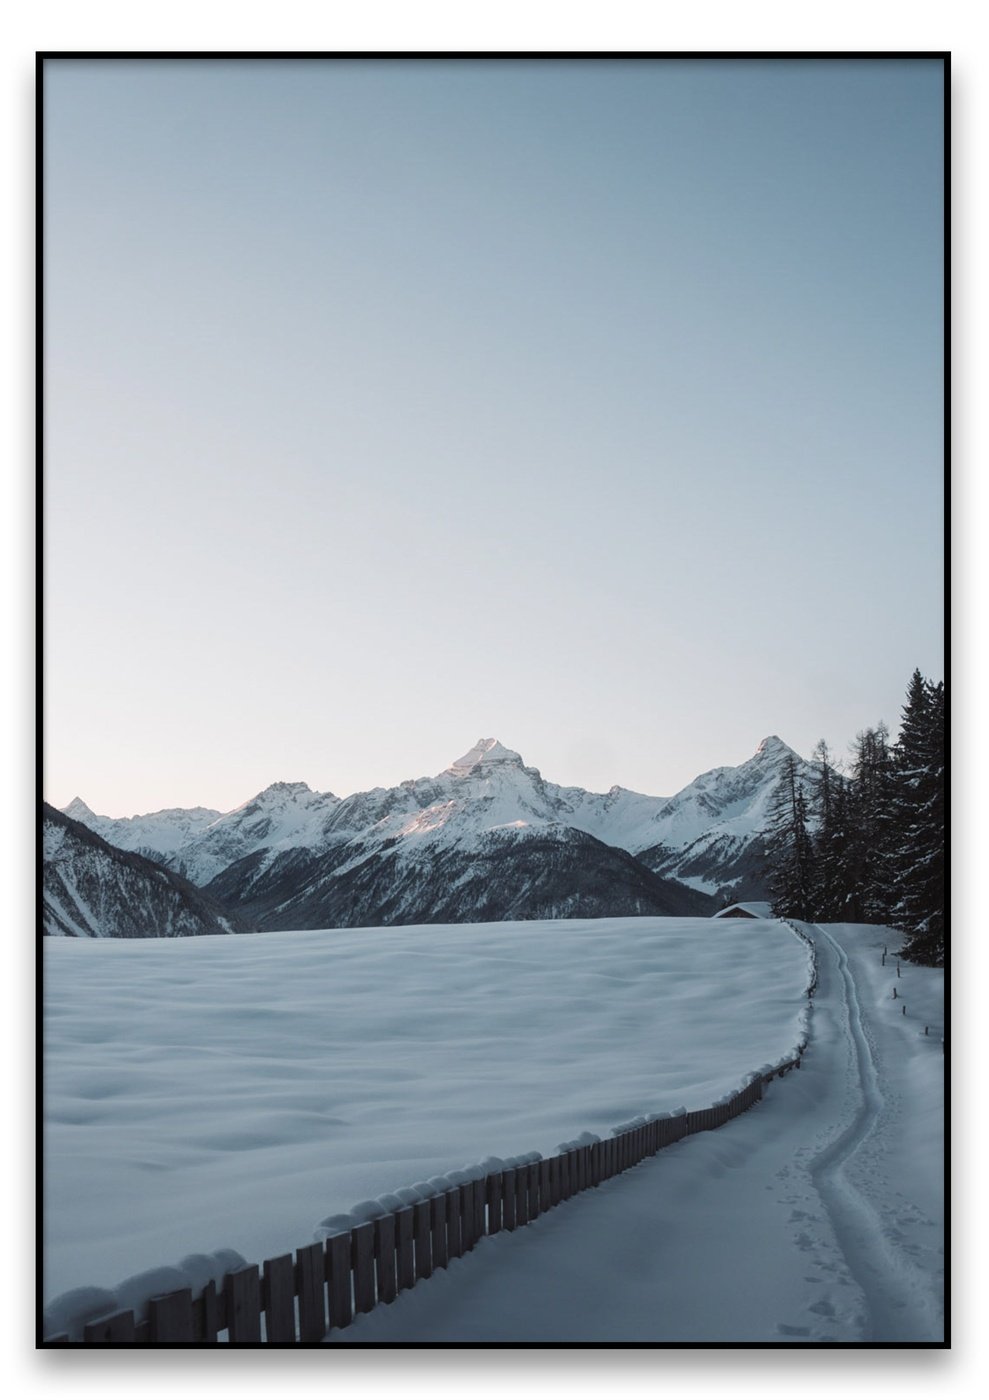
point(284, 817)
point(385, 855)
point(95, 890)
point(712, 834)
point(554, 872)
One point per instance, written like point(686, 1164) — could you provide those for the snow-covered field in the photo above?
point(233, 1092)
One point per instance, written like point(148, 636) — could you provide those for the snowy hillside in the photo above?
point(95, 890)
point(545, 872)
point(465, 844)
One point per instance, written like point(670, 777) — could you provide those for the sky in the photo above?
point(597, 407)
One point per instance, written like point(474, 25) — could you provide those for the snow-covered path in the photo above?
point(817, 1216)
point(901, 1304)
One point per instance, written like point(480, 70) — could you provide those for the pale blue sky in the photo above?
point(594, 406)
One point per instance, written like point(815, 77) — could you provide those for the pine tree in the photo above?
point(829, 807)
point(790, 848)
point(917, 821)
point(870, 836)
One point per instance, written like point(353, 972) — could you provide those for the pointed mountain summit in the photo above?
point(773, 747)
point(485, 751)
point(78, 811)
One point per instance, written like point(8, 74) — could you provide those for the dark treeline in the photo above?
point(867, 846)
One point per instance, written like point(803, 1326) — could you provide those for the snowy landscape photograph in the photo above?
point(492, 837)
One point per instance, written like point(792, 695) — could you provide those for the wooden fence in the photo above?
point(295, 1299)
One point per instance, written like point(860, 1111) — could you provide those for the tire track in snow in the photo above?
point(896, 1293)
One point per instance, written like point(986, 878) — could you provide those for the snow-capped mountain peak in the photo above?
point(79, 811)
point(485, 751)
point(773, 747)
point(273, 796)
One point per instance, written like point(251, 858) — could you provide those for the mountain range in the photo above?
point(488, 838)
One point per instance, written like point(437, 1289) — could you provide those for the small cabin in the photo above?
point(753, 909)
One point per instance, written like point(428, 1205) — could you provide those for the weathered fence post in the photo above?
point(310, 1265)
point(384, 1258)
point(278, 1293)
point(454, 1224)
point(468, 1191)
point(363, 1264)
point(170, 1317)
point(338, 1256)
point(555, 1182)
point(423, 1241)
point(492, 1189)
point(243, 1305)
point(522, 1195)
point(533, 1191)
point(437, 1217)
point(480, 1228)
point(508, 1199)
point(405, 1260)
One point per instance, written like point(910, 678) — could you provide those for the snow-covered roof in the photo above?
point(755, 909)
